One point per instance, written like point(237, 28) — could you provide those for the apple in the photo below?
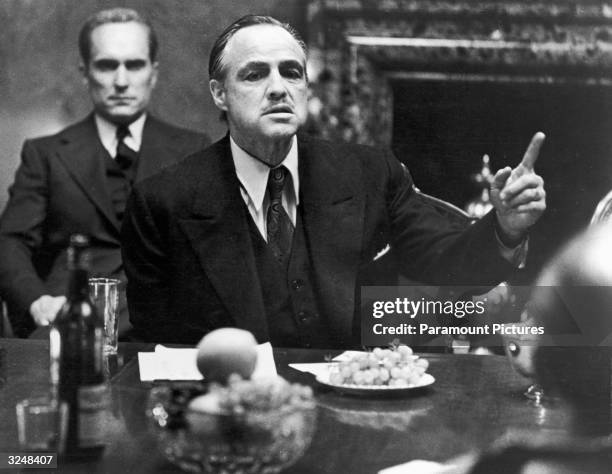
point(226, 351)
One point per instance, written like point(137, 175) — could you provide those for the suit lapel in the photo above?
point(333, 215)
point(218, 232)
point(83, 156)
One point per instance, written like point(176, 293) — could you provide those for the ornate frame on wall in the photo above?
point(357, 47)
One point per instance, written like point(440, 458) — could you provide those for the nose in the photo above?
point(276, 87)
point(121, 77)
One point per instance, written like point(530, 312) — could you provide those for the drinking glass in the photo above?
point(520, 350)
point(104, 293)
point(40, 424)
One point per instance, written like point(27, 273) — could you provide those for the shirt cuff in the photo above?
point(517, 256)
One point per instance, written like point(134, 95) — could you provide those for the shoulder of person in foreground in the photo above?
point(198, 139)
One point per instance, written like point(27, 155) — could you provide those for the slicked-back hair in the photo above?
point(216, 66)
point(114, 15)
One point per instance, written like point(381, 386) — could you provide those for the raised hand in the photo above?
point(518, 195)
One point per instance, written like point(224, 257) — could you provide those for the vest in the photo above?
point(119, 184)
point(288, 296)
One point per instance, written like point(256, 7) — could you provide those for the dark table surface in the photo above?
point(474, 400)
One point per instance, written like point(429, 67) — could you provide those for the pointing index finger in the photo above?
point(533, 150)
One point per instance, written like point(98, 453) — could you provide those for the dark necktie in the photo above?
point(125, 156)
point(280, 228)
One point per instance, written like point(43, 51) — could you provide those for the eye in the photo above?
point(293, 72)
point(105, 65)
point(135, 64)
point(253, 76)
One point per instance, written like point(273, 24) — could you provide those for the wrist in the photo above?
point(507, 237)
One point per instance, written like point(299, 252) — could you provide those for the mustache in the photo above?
point(276, 108)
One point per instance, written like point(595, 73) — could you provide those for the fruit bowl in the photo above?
point(260, 427)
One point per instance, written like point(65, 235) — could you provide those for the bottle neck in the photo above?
point(78, 264)
point(78, 284)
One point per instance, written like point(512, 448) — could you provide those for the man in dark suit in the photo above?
point(79, 179)
point(275, 232)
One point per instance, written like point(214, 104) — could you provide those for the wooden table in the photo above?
point(474, 401)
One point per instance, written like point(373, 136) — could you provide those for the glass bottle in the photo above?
point(77, 376)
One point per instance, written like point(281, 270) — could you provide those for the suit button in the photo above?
point(297, 284)
point(308, 345)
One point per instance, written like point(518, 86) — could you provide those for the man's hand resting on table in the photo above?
point(518, 196)
point(45, 308)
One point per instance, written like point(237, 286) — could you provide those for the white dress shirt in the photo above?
point(107, 132)
point(253, 177)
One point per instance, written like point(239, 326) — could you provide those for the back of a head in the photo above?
point(573, 301)
point(569, 456)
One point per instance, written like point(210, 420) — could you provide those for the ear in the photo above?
point(217, 90)
point(84, 73)
point(155, 66)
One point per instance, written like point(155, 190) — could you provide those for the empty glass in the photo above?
point(40, 424)
point(520, 350)
point(104, 293)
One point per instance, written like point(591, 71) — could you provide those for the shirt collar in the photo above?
point(253, 174)
point(107, 131)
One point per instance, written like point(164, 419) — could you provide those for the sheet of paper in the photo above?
point(419, 466)
point(316, 369)
point(168, 363)
point(346, 355)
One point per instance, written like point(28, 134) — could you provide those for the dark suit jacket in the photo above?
point(190, 263)
point(59, 189)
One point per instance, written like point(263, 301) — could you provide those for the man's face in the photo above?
point(265, 87)
point(120, 74)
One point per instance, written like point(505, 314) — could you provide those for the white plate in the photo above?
point(376, 390)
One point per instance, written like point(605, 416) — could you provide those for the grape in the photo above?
point(241, 396)
point(368, 378)
point(405, 351)
point(336, 378)
point(396, 367)
point(396, 372)
point(384, 374)
point(406, 372)
point(414, 378)
point(346, 371)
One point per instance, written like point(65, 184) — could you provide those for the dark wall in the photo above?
point(41, 89)
point(442, 130)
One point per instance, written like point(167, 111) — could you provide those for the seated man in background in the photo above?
point(274, 232)
point(79, 179)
